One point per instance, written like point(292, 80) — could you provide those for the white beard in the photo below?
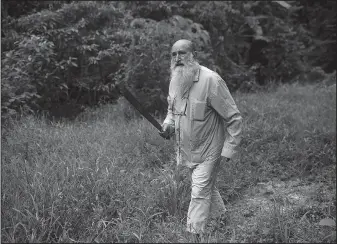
point(182, 78)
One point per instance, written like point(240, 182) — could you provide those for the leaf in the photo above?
point(139, 238)
point(327, 222)
point(63, 85)
point(265, 231)
point(283, 4)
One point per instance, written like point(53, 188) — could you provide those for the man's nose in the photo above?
point(178, 58)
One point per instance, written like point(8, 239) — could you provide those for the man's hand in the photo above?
point(167, 131)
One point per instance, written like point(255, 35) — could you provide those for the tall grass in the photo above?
point(109, 177)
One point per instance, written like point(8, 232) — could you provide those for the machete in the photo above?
point(128, 95)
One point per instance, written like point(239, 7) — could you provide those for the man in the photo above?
point(207, 126)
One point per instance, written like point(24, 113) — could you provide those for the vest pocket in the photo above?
point(198, 110)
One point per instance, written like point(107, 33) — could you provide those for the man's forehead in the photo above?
point(182, 45)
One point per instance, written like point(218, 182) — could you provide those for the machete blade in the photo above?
point(131, 98)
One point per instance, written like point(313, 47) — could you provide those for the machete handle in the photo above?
point(164, 135)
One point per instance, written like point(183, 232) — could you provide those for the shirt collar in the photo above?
point(197, 74)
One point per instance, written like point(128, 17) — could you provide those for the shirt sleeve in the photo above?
point(222, 101)
point(169, 117)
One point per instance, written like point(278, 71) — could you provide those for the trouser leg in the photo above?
point(204, 196)
point(217, 204)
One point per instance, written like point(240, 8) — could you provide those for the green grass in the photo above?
point(109, 177)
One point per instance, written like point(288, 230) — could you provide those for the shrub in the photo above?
point(63, 55)
point(73, 53)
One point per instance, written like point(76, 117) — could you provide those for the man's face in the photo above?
point(181, 54)
point(183, 69)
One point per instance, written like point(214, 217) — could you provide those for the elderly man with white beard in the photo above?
point(206, 123)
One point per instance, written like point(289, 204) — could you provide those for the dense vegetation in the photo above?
point(107, 177)
point(63, 56)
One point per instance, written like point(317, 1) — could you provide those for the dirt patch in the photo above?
point(278, 211)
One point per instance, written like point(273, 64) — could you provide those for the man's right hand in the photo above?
point(167, 131)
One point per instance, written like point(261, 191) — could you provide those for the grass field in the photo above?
point(109, 177)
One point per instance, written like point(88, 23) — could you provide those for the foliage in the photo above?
point(320, 20)
point(85, 48)
point(62, 55)
point(16, 8)
point(57, 55)
point(106, 177)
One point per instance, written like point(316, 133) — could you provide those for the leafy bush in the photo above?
point(320, 19)
point(252, 42)
point(74, 55)
point(56, 54)
point(62, 55)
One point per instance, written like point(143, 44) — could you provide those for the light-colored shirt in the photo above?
point(207, 122)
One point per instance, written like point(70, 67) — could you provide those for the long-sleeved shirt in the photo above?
point(207, 122)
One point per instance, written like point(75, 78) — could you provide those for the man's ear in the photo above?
point(195, 54)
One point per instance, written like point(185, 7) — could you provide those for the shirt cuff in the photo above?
point(168, 121)
point(228, 153)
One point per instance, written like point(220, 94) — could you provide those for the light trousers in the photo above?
point(206, 201)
